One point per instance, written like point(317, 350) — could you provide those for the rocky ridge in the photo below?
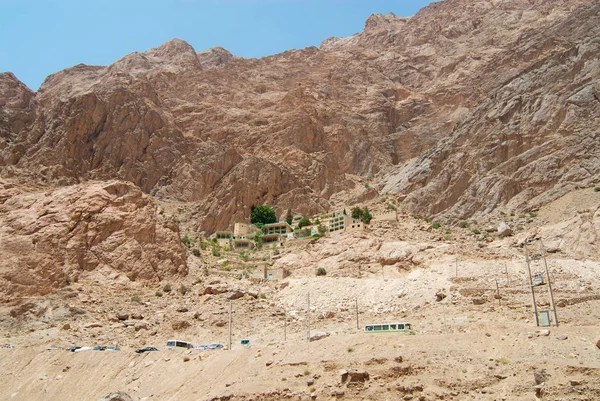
point(468, 106)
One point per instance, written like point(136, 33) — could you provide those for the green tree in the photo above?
point(289, 218)
point(304, 222)
point(366, 216)
point(262, 214)
point(357, 213)
point(322, 229)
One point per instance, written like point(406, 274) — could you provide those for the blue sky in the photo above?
point(39, 37)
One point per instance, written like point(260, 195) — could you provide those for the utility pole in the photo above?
point(444, 314)
point(543, 250)
point(497, 291)
point(230, 308)
point(284, 324)
point(308, 317)
point(535, 313)
point(356, 303)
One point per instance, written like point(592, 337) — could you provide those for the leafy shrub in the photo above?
point(136, 298)
point(244, 256)
point(321, 271)
point(436, 225)
point(463, 224)
point(304, 222)
point(158, 293)
point(597, 189)
point(167, 287)
point(203, 245)
point(196, 252)
point(427, 219)
point(322, 229)
point(390, 207)
point(183, 289)
point(215, 251)
point(187, 241)
point(476, 231)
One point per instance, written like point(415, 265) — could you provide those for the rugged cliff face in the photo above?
point(467, 106)
point(49, 238)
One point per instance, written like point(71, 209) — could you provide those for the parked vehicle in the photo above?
point(145, 349)
point(73, 348)
point(81, 349)
point(114, 348)
point(173, 344)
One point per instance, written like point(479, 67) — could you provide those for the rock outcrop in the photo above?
point(50, 238)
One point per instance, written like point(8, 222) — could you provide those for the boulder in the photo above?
point(353, 375)
point(180, 325)
point(317, 335)
point(235, 294)
point(540, 376)
point(504, 230)
point(478, 301)
point(116, 396)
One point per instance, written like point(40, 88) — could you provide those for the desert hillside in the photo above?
point(468, 132)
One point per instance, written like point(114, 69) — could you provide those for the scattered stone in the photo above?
point(478, 301)
point(543, 333)
point(575, 383)
point(236, 294)
point(123, 316)
point(66, 326)
point(402, 293)
point(540, 376)
point(182, 309)
point(310, 382)
point(269, 362)
point(504, 230)
point(116, 396)
point(180, 325)
point(186, 359)
point(439, 296)
point(141, 326)
point(598, 344)
point(399, 359)
point(488, 335)
point(212, 290)
point(93, 325)
point(137, 316)
point(562, 337)
point(253, 293)
point(317, 335)
point(353, 375)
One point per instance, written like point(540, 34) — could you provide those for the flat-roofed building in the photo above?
point(278, 228)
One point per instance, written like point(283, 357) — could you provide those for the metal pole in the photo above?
point(356, 303)
point(497, 291)
point(308, 316)
point(506, 272)
point(535, 314)
point(456, 268)
point(284, 324)
point(444, 313)
point(549, 283)
point(230, 307)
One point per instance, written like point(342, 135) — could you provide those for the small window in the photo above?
point(400, 327)
point(377, 327)
point(386, 327)
point(393, 326)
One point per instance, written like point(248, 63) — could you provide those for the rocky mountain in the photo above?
point(467, 107)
